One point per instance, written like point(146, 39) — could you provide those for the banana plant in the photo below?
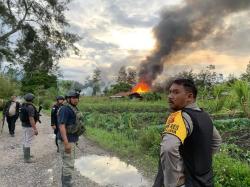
point(242, 90)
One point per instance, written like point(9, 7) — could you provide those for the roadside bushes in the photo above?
point(242, 90)
point(235, 152)
point(46, 98)
point(149, 141)
point(8, 87)
point(124, 121)
point(230, 172)
point(46, 104)
point(151, 96)
point(231, 124)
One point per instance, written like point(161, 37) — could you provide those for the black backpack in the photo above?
point(24, 116)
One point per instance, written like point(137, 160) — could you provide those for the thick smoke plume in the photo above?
point(182, 26)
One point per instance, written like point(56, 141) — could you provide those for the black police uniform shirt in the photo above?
point(67, 116)
point(53, 115)
point(31, 113)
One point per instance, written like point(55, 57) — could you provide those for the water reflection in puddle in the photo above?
point(110, 171)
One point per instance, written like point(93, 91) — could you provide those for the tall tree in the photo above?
point(96, 80)
point(33, 34)
point(13, 72)
point(122, 75)
point(246, 75)
point(208, 77)
point(131, 76)
point(188, 74)
point(24, 20)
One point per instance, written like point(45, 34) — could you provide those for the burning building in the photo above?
point(137, 90)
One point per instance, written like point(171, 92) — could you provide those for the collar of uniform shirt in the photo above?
point(193, 106)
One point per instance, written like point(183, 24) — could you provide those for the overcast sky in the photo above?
point(119, 32)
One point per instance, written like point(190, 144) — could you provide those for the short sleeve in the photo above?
point(63, 115)
point(175, 125)
point(31, 111)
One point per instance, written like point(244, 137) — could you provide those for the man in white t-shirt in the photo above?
point(11, 112)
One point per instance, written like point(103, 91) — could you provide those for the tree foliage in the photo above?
point(28, 21)
point(96, 79)
point(8, 87)
point(126, 76)
point(120, 87)
point(131, 76)
point(34, 80)
point(94, 82)
point(246, 75)
point(65, 86)
point(122, 75)
point(208, 77)
point(33, 34)
point(125, 81)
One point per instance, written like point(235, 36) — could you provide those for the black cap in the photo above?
point(59, 97)
point(72, 94)
point(29, 97)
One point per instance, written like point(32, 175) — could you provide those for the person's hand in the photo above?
point(67, 148)
point(35, 132)
point(53, 127)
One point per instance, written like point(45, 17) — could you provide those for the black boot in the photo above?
point(27, 157)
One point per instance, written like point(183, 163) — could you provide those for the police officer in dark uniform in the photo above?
point(54, 123)
point(70, 128)
point(28, 117)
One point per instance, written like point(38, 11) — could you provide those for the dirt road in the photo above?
point(46, 169)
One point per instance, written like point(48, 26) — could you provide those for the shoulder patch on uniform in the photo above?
point(175, 125)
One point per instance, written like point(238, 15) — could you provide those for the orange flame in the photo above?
point(141, 87)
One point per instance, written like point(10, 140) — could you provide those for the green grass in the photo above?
point(125, 120)
point(232, 124)
point(106, 105)
point(230, 172)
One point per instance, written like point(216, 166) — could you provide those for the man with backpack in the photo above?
point(11, 113)
point(29, 117)
point(54, 112)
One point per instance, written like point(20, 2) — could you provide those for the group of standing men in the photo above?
point(66, 120)
point(188, 142)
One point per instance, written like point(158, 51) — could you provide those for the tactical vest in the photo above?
point(24, 116)
point(77, 128)
point(197, 152)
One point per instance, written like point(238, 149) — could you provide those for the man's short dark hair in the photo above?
point(188, 84)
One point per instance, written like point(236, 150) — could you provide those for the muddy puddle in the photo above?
point(110, 171)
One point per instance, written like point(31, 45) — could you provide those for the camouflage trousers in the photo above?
point(67, 164)
point(28, 135)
